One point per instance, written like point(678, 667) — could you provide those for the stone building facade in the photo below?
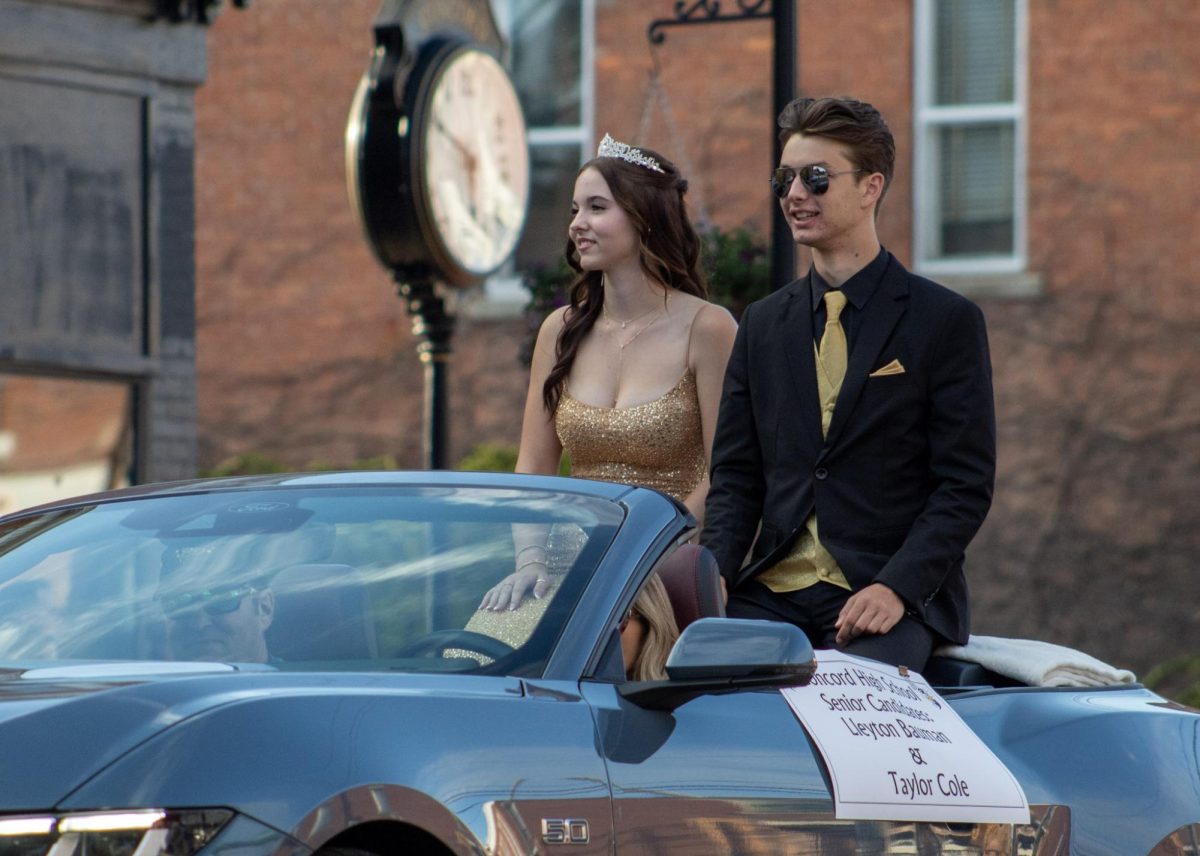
point(97, 332)
point(305, 354)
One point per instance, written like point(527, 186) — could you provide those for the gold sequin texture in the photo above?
point(658, 444)
point(515, 626)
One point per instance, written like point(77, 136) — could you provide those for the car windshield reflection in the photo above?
point(381, 578)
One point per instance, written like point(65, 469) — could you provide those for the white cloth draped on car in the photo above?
point(1039, 664)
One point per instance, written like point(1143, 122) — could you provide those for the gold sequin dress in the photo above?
point(658, 444)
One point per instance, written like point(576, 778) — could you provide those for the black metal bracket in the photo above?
point(200, 11)
point(433, 323)
point(707, 12)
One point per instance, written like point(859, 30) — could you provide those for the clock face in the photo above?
point(475, 162)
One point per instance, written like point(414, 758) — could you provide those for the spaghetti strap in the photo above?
point(687, 352)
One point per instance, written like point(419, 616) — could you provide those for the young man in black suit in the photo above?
point(856, 433)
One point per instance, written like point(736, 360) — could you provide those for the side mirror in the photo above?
point(721, 655)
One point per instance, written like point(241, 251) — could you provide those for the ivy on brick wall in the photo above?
point(1177, 679)
point(738, 267)
point(548, 286)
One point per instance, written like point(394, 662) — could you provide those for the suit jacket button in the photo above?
point(821, 473)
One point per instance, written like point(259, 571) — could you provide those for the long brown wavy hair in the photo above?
point(670, 252)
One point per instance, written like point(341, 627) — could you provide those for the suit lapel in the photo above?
point(794, 327)
point(880, 317)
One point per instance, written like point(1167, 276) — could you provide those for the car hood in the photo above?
point(61, 724)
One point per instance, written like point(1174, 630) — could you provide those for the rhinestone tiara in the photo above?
point(610, 148)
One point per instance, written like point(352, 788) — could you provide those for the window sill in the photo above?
point(1001, 286)
point(501, 298)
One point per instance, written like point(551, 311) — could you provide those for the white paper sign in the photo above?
point(896, 750)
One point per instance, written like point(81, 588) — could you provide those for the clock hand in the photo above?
point(454, 141)
point(470, 160)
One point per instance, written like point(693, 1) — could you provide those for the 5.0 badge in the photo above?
point(567, 830)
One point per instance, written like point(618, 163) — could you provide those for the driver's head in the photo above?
point(648, 632)
point(213, 613)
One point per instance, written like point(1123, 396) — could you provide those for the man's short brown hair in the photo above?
point(855, 124)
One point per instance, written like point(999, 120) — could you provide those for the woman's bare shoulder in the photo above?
point(711, 338)
point(553, 323)
point(691, 308)
point(713, 322)
point(557, 317)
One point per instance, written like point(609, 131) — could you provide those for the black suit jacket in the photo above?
point(903, 480)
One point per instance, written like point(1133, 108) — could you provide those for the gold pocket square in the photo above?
point(892, 368)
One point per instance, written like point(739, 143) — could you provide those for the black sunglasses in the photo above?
point(814, 177)
point(217, 601)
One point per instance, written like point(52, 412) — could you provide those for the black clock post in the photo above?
point(434, 327)
point(438, 169)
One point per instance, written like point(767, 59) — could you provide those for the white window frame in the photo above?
point(928, 117)
point(504, 292)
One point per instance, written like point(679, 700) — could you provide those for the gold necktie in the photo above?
point(833, 342)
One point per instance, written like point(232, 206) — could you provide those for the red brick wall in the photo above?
point(1094, 536)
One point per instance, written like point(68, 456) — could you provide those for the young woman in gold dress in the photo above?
point(627, 377)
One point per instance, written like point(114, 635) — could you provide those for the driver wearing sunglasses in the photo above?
point(210, 618)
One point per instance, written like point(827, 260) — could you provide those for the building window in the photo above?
point(969, 136)
point(551, 59)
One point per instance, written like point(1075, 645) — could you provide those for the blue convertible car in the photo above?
point(296, 664)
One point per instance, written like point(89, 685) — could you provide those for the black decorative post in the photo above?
point(434, 327)
point(783, 89)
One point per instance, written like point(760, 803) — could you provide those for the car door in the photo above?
point(731, 773)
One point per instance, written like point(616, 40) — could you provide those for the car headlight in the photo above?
point(148, 832)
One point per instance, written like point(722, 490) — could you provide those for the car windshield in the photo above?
point(296, 578)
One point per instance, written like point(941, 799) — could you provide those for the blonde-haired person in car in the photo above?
point(648, 633)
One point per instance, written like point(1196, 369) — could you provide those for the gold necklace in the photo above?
point(623, 345)
point(661, 310)
point(624, 324)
